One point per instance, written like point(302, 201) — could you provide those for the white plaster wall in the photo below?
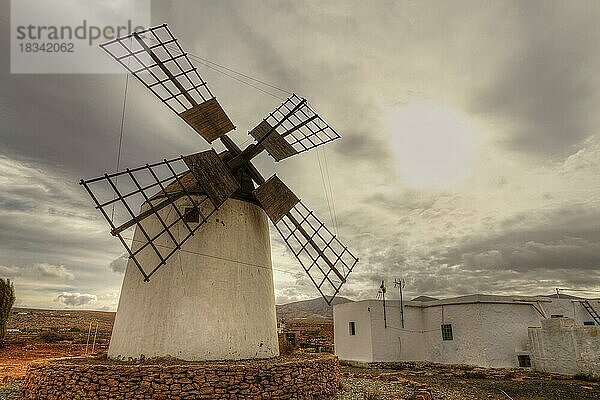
point(212, 300)
point(467, 344)
point(411, 337)
point(571, 309)
point(561, 345)
point(504, 328)
point(359, 346)
point(487, 330)
point(395, 343)
point(487, 334)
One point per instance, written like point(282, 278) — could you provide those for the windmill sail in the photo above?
point(178, 196)
point(323, 257)
point(292, 128)
point(275, 198)
point(156, 59)
point(166, 191)
point(212, 175)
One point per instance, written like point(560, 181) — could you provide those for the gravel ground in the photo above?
point(357, 389)
point(10, 391)
point(441, 385)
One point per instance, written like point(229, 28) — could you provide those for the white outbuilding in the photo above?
point(483, 330)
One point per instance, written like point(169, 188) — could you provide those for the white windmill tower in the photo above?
point(199, 282)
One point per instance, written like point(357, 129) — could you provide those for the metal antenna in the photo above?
point(382, 291)
point(400, 283)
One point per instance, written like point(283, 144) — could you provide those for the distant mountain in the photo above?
point(424, 298)
point(315, 308)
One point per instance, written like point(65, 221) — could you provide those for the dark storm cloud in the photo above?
point(545, 93)
point(73, 120)
point(306, 43)
point(53, 219)
point(562, 239)
point(365, 146)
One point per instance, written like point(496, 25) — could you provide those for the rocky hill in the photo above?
point(314, 308)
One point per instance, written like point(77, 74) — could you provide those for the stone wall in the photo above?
point(309, 378)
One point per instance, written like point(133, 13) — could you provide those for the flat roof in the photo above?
point(470, 299)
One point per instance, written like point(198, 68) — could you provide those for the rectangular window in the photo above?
point(588, 323)
point(192, 215)
point(447, 332)
point(352, 328)
point(524, 361)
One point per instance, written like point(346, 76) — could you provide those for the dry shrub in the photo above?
point(285, 347)
point(7, 299)
point(53, 337)
point(587, 377)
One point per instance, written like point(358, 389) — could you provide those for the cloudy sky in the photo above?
point(469, 163)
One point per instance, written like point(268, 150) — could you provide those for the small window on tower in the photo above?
point(447, 332)
point(588, 323)
point(352, 328)
point(192, 215)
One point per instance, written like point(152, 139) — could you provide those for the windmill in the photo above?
point(211, 205)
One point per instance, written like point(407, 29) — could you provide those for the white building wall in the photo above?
point(571, 309)
point(357, 347)
point(411, 337)
point(487, 330)
point(466, 345)
point(504, 328)
point(394, 343)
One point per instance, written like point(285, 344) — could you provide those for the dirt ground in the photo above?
point(449, 383)
point(33, 325)
point(14, 359)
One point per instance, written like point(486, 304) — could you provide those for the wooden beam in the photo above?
point(162, 66)
point(143, 215)
point(255, 149)
point(300, 125)
point(314, 246)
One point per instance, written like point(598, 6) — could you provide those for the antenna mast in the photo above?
point(400, 283)
point(382, 292)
